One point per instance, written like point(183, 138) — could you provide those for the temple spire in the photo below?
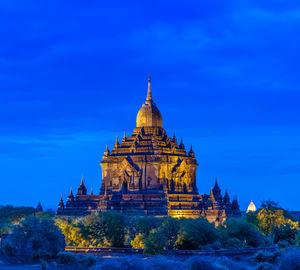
point(191, 152)
point(149, 94)
point(106, 152)
point(61, 202)
point(71, 196)
point(174, 139)
point(212, 197)
point(81, 183)
point(181, 144)
point(116, 142)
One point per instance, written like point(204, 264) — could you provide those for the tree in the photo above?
point(194, 233)
point(285, 233)
point(170, 228)
point(269, 204)
point(72, 232)
point(13, 215)
point(105, 229)
point(39, 236)
point(270, 218)
point(155, 243)
point(138, 241)
point(239, 229)
point(143, 225)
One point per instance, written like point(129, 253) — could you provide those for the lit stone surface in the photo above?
point(251, 207)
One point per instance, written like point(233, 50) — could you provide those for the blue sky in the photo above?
point(225, 76)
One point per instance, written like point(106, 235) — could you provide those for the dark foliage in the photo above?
point(11, 214)
point(240, 230)
point(194, 233)
point(155, 243)
point(268, 257)
point(290, 260)
point(104, 229)
point(77, 261)
point(285, 233)
point(36, 238)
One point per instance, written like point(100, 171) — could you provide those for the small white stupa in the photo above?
point(251, 207)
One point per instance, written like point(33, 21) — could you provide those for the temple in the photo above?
point(149, 173)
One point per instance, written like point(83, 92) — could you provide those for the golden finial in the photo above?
point(116, 142)
point(149, 94)
point(212, 197)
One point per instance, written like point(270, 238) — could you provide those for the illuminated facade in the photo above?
point(149, 173)
point(251, 207)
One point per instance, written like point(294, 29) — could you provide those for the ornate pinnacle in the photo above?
point(191, 152)
point(226, 197)
point(174, 139)
point(61, 202)
point(92, 192)
point(71, 196)
point(124, 137)
point(81, 183)
point(149, 94)
point(181, 144)
point(212, 197)
point(106, 152)
point(116, 142)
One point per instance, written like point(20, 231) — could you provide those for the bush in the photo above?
point(194, 233)
point(290, 260)
point(77, 261)
point(269, 257)
point(123, 263)
point(202, 263)
point(213, 246)
point(232, 243)
point(155, 243)
point(86, 260)
point(283, 244)
point(226, 263)
point(66, 258)
point(264, 266)
point(162, 263)
point(297, 238)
